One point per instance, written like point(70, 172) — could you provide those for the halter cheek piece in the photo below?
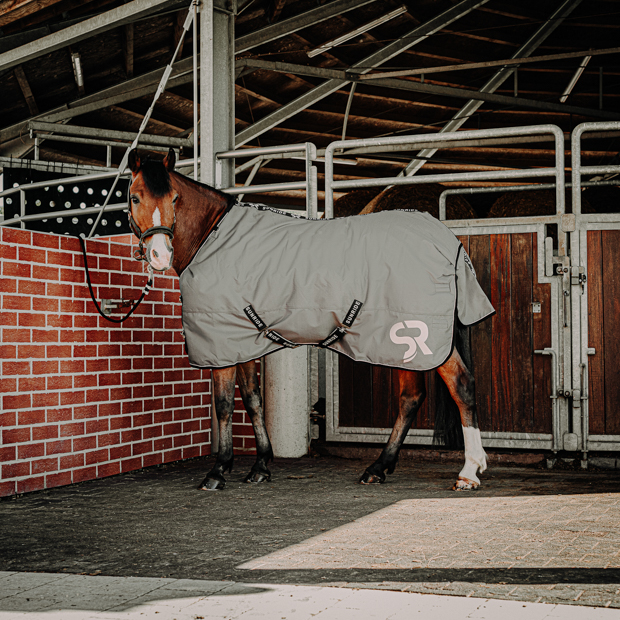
point(140, 254)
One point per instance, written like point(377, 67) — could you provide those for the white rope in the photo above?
point(160, 89)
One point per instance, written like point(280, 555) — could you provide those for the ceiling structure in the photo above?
point(294, 86)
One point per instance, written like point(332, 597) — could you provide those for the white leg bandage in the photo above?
point(475, 456)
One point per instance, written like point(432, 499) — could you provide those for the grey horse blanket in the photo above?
point(383, 288)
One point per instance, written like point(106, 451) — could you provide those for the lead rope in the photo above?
point(121, 168)
point(147, 116)
point(147, 288)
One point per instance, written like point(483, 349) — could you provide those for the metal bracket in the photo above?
point(110, 305)
point(578, 276)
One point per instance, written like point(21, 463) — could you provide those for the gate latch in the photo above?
point(578, 276)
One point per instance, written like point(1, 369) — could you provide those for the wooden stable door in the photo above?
point(513, 384)
point(603, 331)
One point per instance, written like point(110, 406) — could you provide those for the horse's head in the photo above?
point(152, 198)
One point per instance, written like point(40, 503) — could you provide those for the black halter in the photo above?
point(140, 254)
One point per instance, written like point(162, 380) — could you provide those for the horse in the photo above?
point(173, 217)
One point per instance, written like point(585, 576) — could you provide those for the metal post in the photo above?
point(22, 206)
point(217, 106)
point(195, 74)
point(217, 100)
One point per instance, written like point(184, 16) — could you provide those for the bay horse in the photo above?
point(173, 216)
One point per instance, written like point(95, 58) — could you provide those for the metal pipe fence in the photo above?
point(577, 169)
point(257, 156)
point(449, 138)
point(509, 188)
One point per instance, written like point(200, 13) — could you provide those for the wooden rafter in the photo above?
point(128, 49)
point(12, 10)
point(278, 5)
point(22, 80)
point(178, 30)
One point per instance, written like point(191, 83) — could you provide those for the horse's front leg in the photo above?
point(412, 395)
point(250, 393)
point(223, 380)
point(460, 383)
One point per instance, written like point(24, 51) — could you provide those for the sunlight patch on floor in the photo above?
point(553, 531)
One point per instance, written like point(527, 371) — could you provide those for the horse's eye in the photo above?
point(175, 199)
point(135, 200)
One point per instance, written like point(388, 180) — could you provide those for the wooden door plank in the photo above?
point(541, 338)
point(501, 337)
point(345, 391)
point(362, 399)
point(481, 334)
point(521, 335)
point(611, 324)
point(596, 363)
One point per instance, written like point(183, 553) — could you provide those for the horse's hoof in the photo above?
point(465, 484)
point(368, 478)
point(211, 484)
point(254, 477)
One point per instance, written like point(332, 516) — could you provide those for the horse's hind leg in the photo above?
point(250, 393)
point(412, 395)
point(223, 380)
point(460, 383)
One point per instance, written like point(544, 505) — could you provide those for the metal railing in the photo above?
point(577, 169)
point(260, 156)
point(509, 188)
point(447, 139)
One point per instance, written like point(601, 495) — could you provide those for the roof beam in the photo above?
point(128, 50)
point(293, 24)
point(433, 89)
point(528, 48)
point(22, 80)
point(88, 28)
point(11, 10)
point(386, 53)
point(147, 84)
point(125, 91)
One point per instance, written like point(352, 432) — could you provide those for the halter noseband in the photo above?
point(140, 254)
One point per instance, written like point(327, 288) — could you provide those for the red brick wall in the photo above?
point(83, 398)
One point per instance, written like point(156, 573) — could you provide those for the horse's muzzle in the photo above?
point(159, 252)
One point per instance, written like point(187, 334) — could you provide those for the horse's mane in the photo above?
point(157, 179)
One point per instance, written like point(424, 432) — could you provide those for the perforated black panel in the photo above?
point(56, 200)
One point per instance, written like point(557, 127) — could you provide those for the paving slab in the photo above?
point(528, 535)
point(209, 600)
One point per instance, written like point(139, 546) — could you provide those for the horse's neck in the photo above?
point(198, 210)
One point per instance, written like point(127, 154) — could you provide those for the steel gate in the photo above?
point(528, 360)
point(595, 286)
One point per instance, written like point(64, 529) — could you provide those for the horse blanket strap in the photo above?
point(295, 279)
point(274, 336)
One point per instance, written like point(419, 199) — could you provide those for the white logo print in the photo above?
point(413, 342)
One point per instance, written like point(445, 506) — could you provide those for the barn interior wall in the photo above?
point(83, 398)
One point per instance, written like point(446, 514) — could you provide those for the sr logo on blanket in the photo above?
point(413, 341)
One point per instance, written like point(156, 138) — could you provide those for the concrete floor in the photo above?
point(548, 540)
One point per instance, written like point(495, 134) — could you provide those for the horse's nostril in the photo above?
point(155, 254)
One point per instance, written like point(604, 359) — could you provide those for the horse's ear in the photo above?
point(134, 161)
point(170, 160)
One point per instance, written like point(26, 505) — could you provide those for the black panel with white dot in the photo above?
point(57, 199)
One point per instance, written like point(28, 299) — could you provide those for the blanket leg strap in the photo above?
point(278, 338)
point(341, 330)
point(269, 333)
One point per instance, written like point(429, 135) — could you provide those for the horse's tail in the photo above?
point(448, 430)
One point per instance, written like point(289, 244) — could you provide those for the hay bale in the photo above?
point(353, 202)
point(423, 197)
point(529, 203)
point(601, 199)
